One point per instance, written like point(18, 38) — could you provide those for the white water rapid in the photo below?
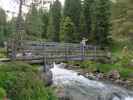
point(80, 88)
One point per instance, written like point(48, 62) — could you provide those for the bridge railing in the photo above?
point(38, 51)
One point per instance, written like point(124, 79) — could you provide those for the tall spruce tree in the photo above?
point(10, 27)
point(54, 21)
point(88, 11)
point(2, 25)
point(67, 30)
point(82, 27)
point(45, 24)
point(72, 9)
point(34, 23)
point(102, 22)
point(50, 28)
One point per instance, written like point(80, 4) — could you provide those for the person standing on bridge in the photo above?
point(83, 46)
point(83, 42)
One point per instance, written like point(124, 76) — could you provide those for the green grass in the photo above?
point(91, 66)
point(124, 72)
point(2, 53)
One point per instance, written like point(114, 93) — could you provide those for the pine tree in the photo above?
point(83, 27)
point(54, 21)
point(72, 9)
point(45, 24)
point(88, 11)
point(2, 25)
point(34, 23)
point(102, 22)
point(10, 28)
point(67, 30)
point(50, 29)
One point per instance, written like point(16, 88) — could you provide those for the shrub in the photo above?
point(125, 72)
point(90, 65)
point(22, 82)
point(2, 53)
point(126, 59)
point(2, 93)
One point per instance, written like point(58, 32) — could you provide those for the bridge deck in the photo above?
point(37, 52)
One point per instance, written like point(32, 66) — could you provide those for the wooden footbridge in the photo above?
point(46, 52)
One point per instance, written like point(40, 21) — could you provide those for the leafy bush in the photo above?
point(2, 53)
point(126, 73)
point(22, 82)
point(90, 65)
point(2, 93)
point(126, 59)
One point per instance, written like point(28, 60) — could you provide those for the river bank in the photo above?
point(113, 77)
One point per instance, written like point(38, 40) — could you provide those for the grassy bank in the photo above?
point(91, 66)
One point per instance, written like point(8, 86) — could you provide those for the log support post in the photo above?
point(82, 49)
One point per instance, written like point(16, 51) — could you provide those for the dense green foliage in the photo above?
point(90, 18)
point(67, 30)
point(102, 24)
point(54, 23)
point(45, 20)
point(21, 82)
point(2, 25)
point(11, 26)
point(72, 9)
point(82, 27)
point(33, 23)
point(88, 12)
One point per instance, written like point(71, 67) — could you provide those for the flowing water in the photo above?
point(77, 87)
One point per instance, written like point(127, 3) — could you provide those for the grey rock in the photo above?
point(114, 74)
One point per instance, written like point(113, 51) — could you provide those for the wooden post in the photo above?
point(44, 56)
point(13, 48)
point(7, 49)
point(66, 52)
point(82, 51)
point(95, 53)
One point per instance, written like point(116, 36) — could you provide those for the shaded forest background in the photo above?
point(100, 21)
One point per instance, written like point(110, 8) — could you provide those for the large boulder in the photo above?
point(114, 74)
